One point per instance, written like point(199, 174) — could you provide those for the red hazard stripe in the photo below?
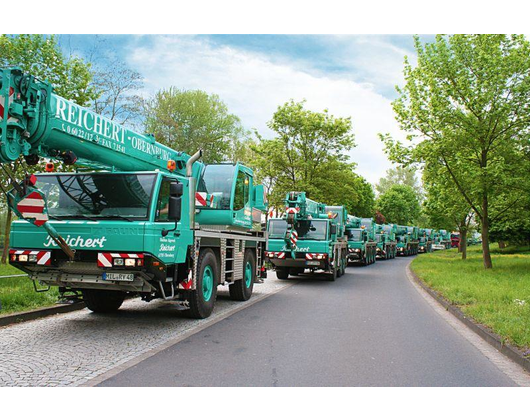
point(200, 199)
point(2, 107)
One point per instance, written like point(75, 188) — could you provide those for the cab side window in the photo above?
point(242, 191)
point(162, 206)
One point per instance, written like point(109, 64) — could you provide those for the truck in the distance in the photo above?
point(407, 240)
point(309, 238)
point(361, 241)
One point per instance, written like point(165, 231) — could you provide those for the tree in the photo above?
point(400, 175)
point(308, 155)
point(117, 88)
point(41, 56)
point(466, 106)
point(445, 208)
point(399, 204)
point(189, 120)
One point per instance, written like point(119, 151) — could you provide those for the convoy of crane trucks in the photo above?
point(138, 218)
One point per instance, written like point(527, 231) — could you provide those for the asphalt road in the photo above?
point(369, 328)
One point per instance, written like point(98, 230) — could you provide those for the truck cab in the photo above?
point(125, 239)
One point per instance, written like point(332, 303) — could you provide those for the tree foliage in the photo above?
point(399, 204)
point(400, 175)
point(465, 107)
point(308, 154)
point(42, 57)
point(117, 89)
point(189, 120)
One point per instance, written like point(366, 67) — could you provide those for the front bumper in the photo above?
point(298, 263)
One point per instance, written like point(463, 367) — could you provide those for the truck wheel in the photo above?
point(103, 301)
point(202, 299)
point(282, 273)
point(242, 289)
point(333, 275)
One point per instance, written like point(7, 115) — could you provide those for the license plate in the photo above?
point(118, 277)
point(312, 262)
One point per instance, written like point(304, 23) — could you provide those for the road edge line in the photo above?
point(492, 339)
point(140, 358)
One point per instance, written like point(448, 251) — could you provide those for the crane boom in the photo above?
point(35, 122)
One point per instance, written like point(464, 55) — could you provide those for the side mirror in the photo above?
point(333, 229)
point(176, 189)
point(175, 208)
point(174, 211)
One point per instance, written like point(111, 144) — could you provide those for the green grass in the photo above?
point(498, 298)
point(17, 294)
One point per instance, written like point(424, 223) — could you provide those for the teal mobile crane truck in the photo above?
point(426, 240)
point(133, 217)
point(407, 240)
point(385, 237)
point(310, 237)
point(361, 240)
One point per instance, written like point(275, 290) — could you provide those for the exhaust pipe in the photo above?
point(192, 184)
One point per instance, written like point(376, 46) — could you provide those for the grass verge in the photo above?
point(498, 298)
point(17, 293)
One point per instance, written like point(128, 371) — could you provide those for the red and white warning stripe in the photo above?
point(293, 237)
point(293, 210)
point(202, 199)
point(315, 256)
point(271, 254)
point(105, 258)
point(32, 207)
point(187, 284)
point(9, 101)
point(43, 257)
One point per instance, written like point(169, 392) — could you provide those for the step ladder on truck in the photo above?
point(133, 217)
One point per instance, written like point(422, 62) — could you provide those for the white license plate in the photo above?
point(312, 263)
point(118, 277)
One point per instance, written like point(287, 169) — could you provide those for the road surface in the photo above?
point(369, 328)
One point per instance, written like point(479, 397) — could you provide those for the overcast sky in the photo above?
point(352, 76)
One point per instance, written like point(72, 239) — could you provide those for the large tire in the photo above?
point(202, 299)
point(242, 289)
point(333, 275)
point(103, 301)
point(282, 273)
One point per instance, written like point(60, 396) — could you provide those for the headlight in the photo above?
point(32, 258)
point(23, 258)
point(357, 250)
point(118, 261)
point(130, 262)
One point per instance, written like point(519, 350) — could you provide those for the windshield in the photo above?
point(97, 195)
point(354, 234)
point(379, 237)
point(400, 238)
point(218, 179)
point(306, 229)
point(277, 228)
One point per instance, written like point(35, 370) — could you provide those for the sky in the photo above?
point(350, 75)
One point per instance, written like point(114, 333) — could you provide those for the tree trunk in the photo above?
point(502, 244)
point(462, 245)
point(7, 230)
point(485, 234)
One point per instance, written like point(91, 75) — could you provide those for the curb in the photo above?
point(491, 338)
point(39, 313)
